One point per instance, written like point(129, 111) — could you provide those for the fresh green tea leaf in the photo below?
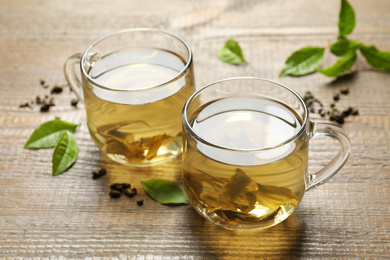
point(231, 53)
point(303, 61)
point(345, 47)
point(340, 67)
point(164, 192)
point(65, 153)
point(46, 135)
point(376, 58)
point(347, 19)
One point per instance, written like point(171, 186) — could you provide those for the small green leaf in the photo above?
point(303, 61)
point(46, 135)
point(345, 47)
point(341, 66)
point(65, 153)
point(347, 19)
point(376, 58)
point(164, 192)
point(231, 53)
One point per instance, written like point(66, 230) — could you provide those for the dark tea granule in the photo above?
point(25, 105)
point(74, 102)
point(99, 174)
point(347, 111)
point(51, 102)
point(56, 90)
point(140, 202)
point(102, 171)
point(114, 194)
point(38, 100)
point(117, 187)
point(130, 192)
point(126, 185)
point(333, 113)
point(344, 90)
point(45, 108)
point(322, 112)
point(354, 111)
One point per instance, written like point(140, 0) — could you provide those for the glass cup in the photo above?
point(245, 152)
point(135, 83)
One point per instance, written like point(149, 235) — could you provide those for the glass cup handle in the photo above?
point(71, 75)
point(334, 131)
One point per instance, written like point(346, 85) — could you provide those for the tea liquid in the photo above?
point(141, 125)
point(258, 188)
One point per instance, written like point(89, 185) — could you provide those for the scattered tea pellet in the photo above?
point(336, 97)
point(25, 105)
point(126, 185)
point(117, 187)
point(140, 202)
point(99, 174)
point(51, 102)
point(56, 90)
point(45, 107)
point(130, 192)
point(344, 90)
point(322, 112)
point(354, 111)
point(38, 100)
point(74, 102)
point(102, 171)
point(114, 194)
point(347, 111)
point(42, 82)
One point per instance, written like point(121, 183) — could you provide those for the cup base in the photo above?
point(121, 159)
point(243, 222)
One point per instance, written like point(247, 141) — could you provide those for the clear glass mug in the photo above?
point(245, 152)
point(135, 83)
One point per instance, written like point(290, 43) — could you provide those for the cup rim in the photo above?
point(202, 140)
point(178, 76)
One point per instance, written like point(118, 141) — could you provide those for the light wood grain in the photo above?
point(71, 215)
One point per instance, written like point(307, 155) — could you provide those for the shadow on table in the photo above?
point(281, 241)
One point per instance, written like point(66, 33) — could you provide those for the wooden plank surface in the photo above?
point(72, 216)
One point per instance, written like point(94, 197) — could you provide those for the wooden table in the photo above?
point(72, 216)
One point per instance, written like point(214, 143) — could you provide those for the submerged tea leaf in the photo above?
point(155, 145)
point(164, 192)
point(376, 58)
point(231, 53)
point(347, 19)
point(241, 194)
point(341, 66)
point(65, 153)
point(46, 135)
point(303, 61)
